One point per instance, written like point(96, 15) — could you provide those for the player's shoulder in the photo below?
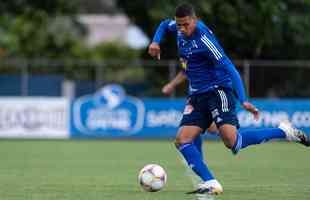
point(203, 28)
point(170, 22)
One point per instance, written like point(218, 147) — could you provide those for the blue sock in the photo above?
point(194, 160)
point(198, 144)
point(256, 136)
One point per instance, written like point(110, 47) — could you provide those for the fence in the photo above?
point(44, 77)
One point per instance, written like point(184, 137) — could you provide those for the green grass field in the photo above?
point(107, 170)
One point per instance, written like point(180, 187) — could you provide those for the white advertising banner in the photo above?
point(34, 117)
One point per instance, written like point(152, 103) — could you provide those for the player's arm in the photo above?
point(238, 85)
point(164, 27)
point(171, 85)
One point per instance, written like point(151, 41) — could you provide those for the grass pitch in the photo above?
point(107, 170)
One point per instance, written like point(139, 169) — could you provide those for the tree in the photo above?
point(39, 28)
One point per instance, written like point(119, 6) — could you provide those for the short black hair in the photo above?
point(184, 10)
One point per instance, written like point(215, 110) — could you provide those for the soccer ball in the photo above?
point(152, 177)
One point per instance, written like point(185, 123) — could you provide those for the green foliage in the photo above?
point(50, 30)
point(114, 50)
point(53, 7)
point(39, 29)
point(35, 35)
point(247, 29)
point(122, 69)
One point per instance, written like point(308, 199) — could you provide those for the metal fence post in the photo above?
point(172, 74)
point(246, 75)
point(98, 70)
point(24, 78)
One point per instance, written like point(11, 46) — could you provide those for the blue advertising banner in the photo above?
point(110, 113)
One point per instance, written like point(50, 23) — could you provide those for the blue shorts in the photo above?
point(217, 105)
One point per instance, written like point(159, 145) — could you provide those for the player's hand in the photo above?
point(168, 89)
point(154, 50)
point(251, 108)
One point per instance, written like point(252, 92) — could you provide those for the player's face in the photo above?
point(186, 24)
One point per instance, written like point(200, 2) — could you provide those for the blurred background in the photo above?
point(75, 47)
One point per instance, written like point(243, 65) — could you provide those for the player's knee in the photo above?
point(229, 141)
point(187, 135)
point(229, 144)
point(228, 134)
point(180, 139)
point(176, 143)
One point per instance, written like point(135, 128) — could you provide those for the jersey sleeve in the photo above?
point(165, 26)
point(211, 48)
point(210, 45)
point(237, 82)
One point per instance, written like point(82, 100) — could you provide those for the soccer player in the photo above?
point(212, 79)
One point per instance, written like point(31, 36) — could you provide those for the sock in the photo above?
point(256, 136)
point(198, 144)
point(194, 160)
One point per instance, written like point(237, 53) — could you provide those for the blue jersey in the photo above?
point(203, 59)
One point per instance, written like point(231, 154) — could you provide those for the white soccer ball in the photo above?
point(152, 177)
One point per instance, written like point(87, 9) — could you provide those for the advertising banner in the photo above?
point(34, 117)
point(110, 113)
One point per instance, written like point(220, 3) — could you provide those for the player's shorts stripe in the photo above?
point(211, 46)
point(224, 101)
